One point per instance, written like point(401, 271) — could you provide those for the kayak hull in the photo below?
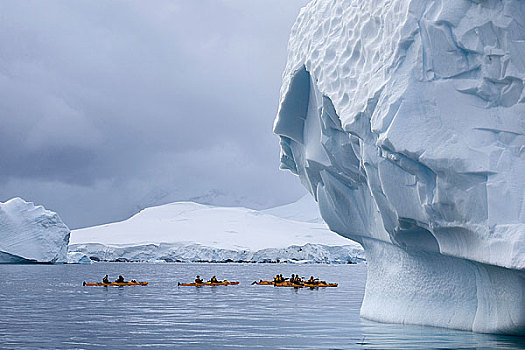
point(265, 283)
point(225, 283)
point(306, 285)
point(320, 285)
point(118, 284)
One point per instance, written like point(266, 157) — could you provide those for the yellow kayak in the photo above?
point(306, 285)
point(321, 285)
point(116, 284)
point(264, 283)
point(288, 284)
point(193, 284)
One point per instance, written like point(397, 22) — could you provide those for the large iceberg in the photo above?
point(31, 234)
point(189, 232)
point(406, 121)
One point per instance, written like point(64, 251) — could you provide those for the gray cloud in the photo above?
point(108, 107)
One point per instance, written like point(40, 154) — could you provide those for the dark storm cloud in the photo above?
point(108, 107)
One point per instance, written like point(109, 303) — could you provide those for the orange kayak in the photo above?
point(288, 284)
point(306, 285)
point(193, 284)
point(320, 285)
point(116, 284)
point(264, 283)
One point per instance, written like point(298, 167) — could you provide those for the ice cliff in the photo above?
point(30, 233)
point(405, 119)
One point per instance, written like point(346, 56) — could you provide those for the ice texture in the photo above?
point(78, 258)
point(31, 234)
point(406, 121)
point(189, 232)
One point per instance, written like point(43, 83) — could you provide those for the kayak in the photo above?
point(288, 284)
point(323, 285)
point(223, 283)
point(116, 284)
point(306, 285)
point(264, 283)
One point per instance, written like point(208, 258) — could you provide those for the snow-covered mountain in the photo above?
point(305, 209)
point(187, 231)
point(30, 233)
point(405, 119)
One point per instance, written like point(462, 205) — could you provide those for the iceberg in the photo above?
point(31, 234)
point(406, 122)
point(78, 258)
point(191, 232)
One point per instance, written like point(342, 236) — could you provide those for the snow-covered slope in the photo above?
point(406, 121)
point(187, 231)
point(30, 233)
point(305, 209)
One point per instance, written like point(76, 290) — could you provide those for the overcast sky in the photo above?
point(110, 106)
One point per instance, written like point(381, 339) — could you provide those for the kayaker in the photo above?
point(198, 279)
point(281, 278)
point(214, 280)
point(120, 279)
point(313, 280)
point(292, 278)
point(105, 279)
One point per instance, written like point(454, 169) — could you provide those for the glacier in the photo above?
point(406, 122)
point(192, 232)
point(31, 234)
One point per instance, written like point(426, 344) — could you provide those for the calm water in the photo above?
point(46, 307)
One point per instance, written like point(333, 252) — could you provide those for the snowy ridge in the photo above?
point(305, 209)
point(186, 231)
point(405, 121)
point(30, 233)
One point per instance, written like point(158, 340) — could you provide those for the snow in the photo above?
point(405, 121)
point(187, 231)
point(305, 209)
point(30, 233)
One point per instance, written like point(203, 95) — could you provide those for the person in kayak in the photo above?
point(198, 279)
point(105, 279)
point(313, 280)
point(292, 278)
point(120, 279)
point(214, 280)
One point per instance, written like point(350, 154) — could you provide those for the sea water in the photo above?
point(46, 307)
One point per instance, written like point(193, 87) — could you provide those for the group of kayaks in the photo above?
point(214, 282)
